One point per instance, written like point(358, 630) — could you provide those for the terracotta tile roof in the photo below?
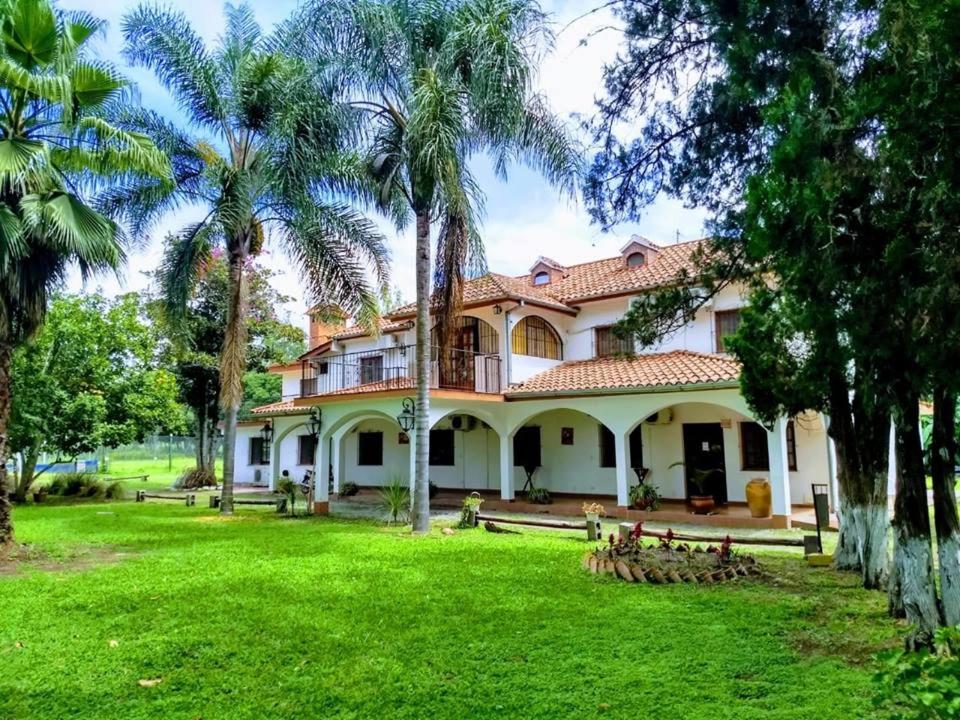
point(276, 408)
point(386, 326)
point(680, 367)
point(585, 281)
point(403, 383)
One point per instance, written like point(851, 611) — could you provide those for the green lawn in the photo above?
point(266, 617)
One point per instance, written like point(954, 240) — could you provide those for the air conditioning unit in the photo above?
point(661, 417)
point(466, 423)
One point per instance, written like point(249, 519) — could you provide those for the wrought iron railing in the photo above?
point(395, 368)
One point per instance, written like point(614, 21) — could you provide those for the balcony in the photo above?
point(395, 368)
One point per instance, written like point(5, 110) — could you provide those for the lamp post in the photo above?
point(314, 423)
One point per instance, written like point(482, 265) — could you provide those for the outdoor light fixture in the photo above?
point(497, 310)
point(406, 418)
point(315, 422)
point(266, 432)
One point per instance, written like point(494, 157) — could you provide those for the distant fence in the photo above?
point(175, 452)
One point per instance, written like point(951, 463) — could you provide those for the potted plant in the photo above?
point(471, 506)
point(645, 496)
point(593, 511)
point(539, 496)
point(700, 500)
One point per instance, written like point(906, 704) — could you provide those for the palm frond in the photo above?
point(184, 258)
point(336, 249)
point(164, 42)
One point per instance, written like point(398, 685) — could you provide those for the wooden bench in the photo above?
point(142, 478)
point(189, 498)
point(280, 503)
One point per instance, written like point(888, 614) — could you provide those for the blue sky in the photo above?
point(524, 218)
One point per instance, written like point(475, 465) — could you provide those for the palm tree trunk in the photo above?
point(943, 454)
point(421, 486)
point(6, 518)
point(232, 364)
point(914, 586)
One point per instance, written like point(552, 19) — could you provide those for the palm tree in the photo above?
point(270, 165)
point(56, 147)
point(441, 80)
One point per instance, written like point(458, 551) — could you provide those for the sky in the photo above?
point(524, 217)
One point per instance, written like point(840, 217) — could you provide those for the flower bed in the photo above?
point(666, 561)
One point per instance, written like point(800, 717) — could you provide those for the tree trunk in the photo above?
point(421, 483)
point(943, 454)
point(862, 545)
point(27, 472)
point(232, 365)
point(913, 556)
point(6, 518)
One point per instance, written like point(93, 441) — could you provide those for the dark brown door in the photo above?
point(703, 459)
point(458, 372)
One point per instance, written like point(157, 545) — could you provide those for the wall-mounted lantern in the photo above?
point(315, 422)
point(497, 309)
point(266, 432)
point(406, 418)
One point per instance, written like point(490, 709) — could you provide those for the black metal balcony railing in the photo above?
point(395, 367)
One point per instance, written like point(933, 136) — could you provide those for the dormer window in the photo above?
point(541, 278)
point(635, 260)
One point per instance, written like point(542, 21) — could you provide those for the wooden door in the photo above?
point(703, 458)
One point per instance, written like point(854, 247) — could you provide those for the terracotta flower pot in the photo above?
point(702, 504)
point(642, 503)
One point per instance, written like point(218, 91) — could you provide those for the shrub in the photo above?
point(395, 500)
point(195, 478)
point(76, 485)
point(348, 489)
point(922, 685)
point(539, 496)
point(114, 491)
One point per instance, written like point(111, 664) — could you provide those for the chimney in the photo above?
point(325, 322)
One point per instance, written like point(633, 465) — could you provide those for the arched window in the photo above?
point(635, 259)
point(541, 278)
point(535, 337)
point(471, 334)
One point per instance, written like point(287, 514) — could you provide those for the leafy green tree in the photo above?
point(767, 134)
point(89, 379)
point(271, 165)
point(914, 89)
point(56, 146)
point(197, 338)
point(440, 82)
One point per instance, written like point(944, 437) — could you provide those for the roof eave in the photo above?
point(641, 390)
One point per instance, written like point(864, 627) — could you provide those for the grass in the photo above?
point(264, 617)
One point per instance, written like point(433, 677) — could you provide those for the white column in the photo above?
point(779, 468)
point(321, 482)
point(506, 466)
point(831, 464)
point(274, 464)
point(335, 459)
point(620, 454)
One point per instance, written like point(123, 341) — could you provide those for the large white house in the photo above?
point(538, 379)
